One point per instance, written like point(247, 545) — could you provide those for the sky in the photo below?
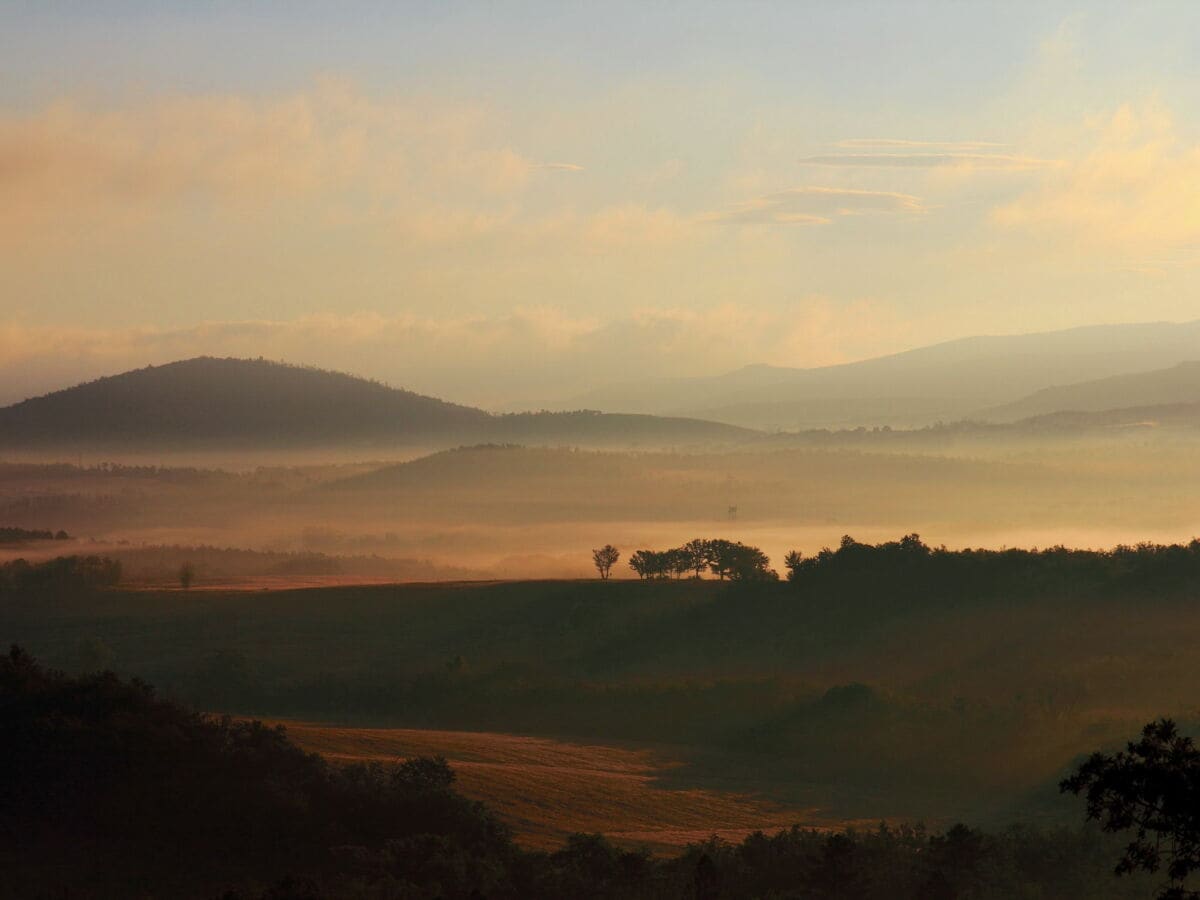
point(509, 204)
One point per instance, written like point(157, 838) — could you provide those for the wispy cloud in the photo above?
point(816, 206)
point(904, 144)
point(926, 160)
point(558, 166)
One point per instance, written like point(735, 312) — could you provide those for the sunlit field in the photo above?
point(548, 789)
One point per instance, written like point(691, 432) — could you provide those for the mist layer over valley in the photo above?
point(319, 464)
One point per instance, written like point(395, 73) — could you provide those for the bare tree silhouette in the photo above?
point(605, 558)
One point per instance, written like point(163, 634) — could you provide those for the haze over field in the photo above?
point(633, 449)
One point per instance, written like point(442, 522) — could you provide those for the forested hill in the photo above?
point(254, 402)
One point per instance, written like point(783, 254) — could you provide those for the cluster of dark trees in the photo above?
point(725, 559)
point(107, 790)
point(909, 568)
point(12, 535)
point(60, 573)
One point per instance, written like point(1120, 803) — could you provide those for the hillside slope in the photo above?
point(1179, 384)
point(210, 399)
point(547, 789)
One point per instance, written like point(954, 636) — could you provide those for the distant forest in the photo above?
point(12, 535)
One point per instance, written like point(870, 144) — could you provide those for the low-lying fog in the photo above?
point(514, 512)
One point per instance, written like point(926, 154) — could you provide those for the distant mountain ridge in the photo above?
point(946, 381)
point(1179, 384)
point(208, 401)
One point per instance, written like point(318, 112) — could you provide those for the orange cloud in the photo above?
point(67, 164)
point(1136, 189)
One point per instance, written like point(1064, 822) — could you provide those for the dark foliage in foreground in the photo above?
point(108, 791)
point(1151, 788)
point(104, 785)
point(73, 573)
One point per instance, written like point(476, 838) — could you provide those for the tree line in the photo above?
point(13, 535)
point(908, 567)
point(60, 573)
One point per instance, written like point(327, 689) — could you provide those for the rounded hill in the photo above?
point(207, 399)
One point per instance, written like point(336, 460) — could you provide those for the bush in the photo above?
point(60, 574)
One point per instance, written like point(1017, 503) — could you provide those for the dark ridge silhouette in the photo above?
point(206, 402)
point(240, 400)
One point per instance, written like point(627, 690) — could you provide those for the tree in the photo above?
point(794, 561)
point(699, 555)
point(654, 564)
point(751, 564)
point(681, 561)
point(739, 562)
point(187, 574)
point(605, 558)
point(1153, 788)
point(643, 562)
point(720, 557)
